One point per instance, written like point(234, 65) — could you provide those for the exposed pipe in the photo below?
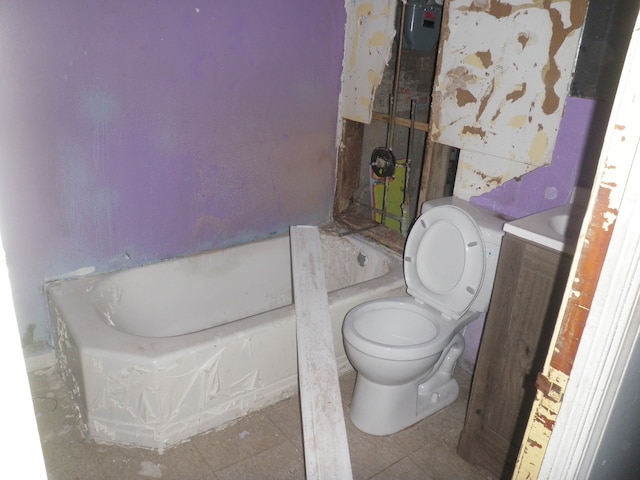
point(404, 224)
point(394, 106)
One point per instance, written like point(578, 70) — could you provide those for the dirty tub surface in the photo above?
point(159, 353)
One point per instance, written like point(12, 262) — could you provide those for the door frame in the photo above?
point(598, 323)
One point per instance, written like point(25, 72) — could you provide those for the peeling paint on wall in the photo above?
point(502, 84)
point(546, 187)
point(479, 173)
point(369, 36)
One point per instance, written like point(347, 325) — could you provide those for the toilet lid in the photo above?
point(444, 260)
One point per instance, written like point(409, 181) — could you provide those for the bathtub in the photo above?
point(156, 354)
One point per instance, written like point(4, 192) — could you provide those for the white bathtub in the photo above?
point(157, 354)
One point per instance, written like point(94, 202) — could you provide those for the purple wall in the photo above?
point(136, 131)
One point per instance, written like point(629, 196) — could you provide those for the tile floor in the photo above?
point(264, 445)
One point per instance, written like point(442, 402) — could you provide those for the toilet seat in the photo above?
point(444, 260)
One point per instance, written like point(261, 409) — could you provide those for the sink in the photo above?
point(559, 223)
point(557, 228)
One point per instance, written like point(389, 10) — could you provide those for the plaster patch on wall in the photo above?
point(480, 173)
point(369, 35)
point(552, 185)
point(504, 76)
point(538, 149)
point(517, 121)
point(479, 59)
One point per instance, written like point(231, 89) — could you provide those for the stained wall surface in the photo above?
point(137, 131)
point(502, 85)
point(548, 186)
point(369, 37)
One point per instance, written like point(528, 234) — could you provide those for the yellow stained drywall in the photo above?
point(505, 70)
point(369, 36)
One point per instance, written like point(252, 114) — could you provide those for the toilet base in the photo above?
point(396, 410)
point(385, 409)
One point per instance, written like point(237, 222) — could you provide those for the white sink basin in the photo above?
point(559, 223)
point(557, 228)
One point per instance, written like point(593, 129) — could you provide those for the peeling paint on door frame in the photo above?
point(593, 260)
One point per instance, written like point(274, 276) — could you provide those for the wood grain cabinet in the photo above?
point(528, 290)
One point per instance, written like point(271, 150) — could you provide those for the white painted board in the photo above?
point(326, 449)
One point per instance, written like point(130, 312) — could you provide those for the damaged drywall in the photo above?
point(479, 173)
point(536, 190)
point(502, 83)
point(369, 36)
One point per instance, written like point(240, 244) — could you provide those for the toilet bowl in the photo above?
point(405, 349)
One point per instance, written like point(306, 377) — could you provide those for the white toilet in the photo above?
point(404, 349)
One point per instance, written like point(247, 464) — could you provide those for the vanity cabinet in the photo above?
point(528, 290)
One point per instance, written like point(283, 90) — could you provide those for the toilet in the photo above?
point(404, 349)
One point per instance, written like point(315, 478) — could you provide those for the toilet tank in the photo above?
point(490, 224)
